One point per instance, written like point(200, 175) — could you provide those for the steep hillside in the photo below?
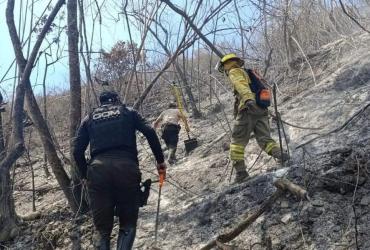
point(330, 158)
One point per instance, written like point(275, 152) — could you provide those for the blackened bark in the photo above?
point(2, 142)
point(8, 227)
point(7, 212)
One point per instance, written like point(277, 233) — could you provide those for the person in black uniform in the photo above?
point(113, 175)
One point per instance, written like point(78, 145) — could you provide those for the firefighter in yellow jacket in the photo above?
point(249, 117)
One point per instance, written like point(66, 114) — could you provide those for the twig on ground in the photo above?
point(255, 244)
point(224, 246)
point(231, 173)
point(175, 184)
point(224, 175)
point(300, 227)
point(354, 205)
point(245, 223)
point(337, 129)
point(254, 163)
point(282, 186)
point(296, 126)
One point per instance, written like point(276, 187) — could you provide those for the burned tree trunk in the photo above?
point(2, 141)
point(75, 94)
point(74, 69)
point(49, 147)
point(182, 76)
point(187, 86)
point(188, 90)
point(7, 212)
point(8, 227)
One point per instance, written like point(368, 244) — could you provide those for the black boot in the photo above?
point(126, 238)
point(104, 243)
point(241, 176)
point(276, 153)
point(172, 155)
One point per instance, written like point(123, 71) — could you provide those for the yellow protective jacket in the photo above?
point(241, 84)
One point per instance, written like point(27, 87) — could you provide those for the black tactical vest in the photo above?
point(112, 127)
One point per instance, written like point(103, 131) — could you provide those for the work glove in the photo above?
point(249, 103)
point(161, 168)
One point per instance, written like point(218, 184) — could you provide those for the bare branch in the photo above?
point(352, 18)
point(194, 27)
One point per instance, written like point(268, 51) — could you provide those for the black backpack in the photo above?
point(258, 86)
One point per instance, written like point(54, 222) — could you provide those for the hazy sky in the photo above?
point(111, 30)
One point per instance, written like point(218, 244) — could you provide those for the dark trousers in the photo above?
point(170, 134)
point(114, 189)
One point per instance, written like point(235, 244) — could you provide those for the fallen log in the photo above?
point(296, 190)
point(224, 238)
point(282, 185)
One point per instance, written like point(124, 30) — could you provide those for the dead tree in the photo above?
point(75, 94)
point(185, 43)
point(181, 73)
point(286, 35)
point(8, 227)
point(2, 141)
point(188, 90)
point(139, 50)
point(74, 69)
point(86, 59)
point(44, 131)
point(194, 27)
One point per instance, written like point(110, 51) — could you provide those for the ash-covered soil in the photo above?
point(198, 201)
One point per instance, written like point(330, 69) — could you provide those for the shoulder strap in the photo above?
point(258, 76)
point(252, 73)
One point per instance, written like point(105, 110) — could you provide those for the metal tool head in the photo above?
point(190, 145)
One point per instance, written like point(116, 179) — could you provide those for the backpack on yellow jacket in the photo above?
point(258, 86)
